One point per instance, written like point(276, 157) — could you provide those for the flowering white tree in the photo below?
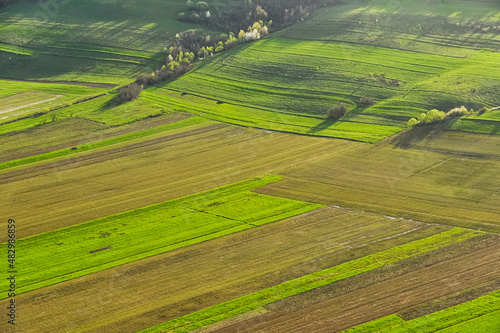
point(252, 35)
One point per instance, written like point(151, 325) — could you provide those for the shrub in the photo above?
point(457, 112)
point(366, 101)
point(129, 92)
point(412, 122)
point(483, 110)
point(194, 17)
point(202, 6)
point(337, 111)
point(190, 5)
point(434, 116)
point(182, 17)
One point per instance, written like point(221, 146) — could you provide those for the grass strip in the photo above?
point(305, 283)
point(478, 315)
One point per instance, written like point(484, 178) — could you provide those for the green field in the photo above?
point(72, 41)
point(289, 81)
point(64, 254)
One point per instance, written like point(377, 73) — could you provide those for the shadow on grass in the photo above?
point(419, 134)
point(323, 125)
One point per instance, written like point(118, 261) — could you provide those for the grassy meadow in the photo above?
point(289, 81)
point(86, 41)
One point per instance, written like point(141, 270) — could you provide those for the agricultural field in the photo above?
point(430, 175)
point(176, 223)
point(79, 187)
point(87, 41)
point(289, 81)
point(225, 200)
point(208, 273)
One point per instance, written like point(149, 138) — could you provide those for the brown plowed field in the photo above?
point(382, 299)
point(435, 180)
point(78, 189)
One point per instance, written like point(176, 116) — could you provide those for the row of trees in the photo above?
point(189, 46)
point(244, 12)
point(436, 116)
point(174, 68)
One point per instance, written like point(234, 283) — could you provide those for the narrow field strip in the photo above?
point(15, 49)
point(108, 50)
point(31, 104)
point(78, 250)
point(264, 297)
point(108, 143)
point(479, 315)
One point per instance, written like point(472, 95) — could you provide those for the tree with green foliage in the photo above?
point(412, 123)
point(194, 17)
point(434, 116)
point(337, 111)
point(201, 6)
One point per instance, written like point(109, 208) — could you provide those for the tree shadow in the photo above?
point(420, 134)
point(323, 125)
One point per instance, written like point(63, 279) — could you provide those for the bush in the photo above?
point(366, 101)
point(412, 123)
point(182, 17)
point(190, 5)
point(457, 112)
point(434, 116)
point(202, 6)
point(337, 111)
point(194, 17)
point(129, 92)
point(483, 110)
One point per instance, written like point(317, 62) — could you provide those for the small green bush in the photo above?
point(202, 6)
point(337, 111)
point(366, 101)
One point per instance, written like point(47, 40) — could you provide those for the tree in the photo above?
point(337, 111)
point(202, 6)
point(366, 101)
point(434, 116)
point(412, 122)
point(129, 92)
